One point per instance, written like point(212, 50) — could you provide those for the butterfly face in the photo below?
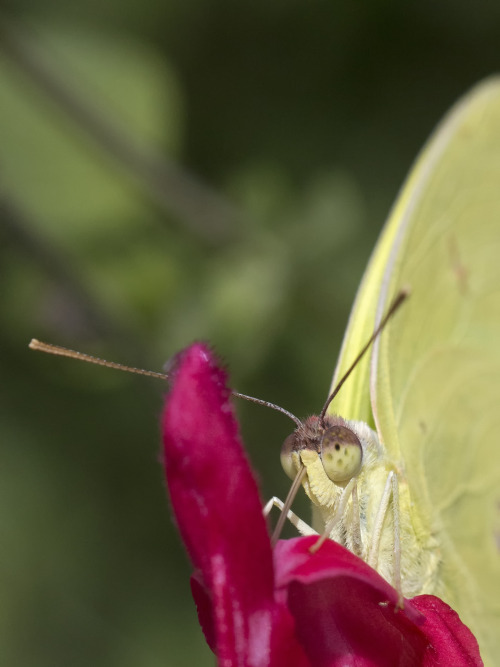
point(337, 446)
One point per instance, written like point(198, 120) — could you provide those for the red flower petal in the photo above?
point(346, 613)
point(219, 512)
point(452, 642)
point(213, 492)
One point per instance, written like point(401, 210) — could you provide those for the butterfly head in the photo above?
point(327, 447)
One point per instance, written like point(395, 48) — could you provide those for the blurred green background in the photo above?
point(170, 172)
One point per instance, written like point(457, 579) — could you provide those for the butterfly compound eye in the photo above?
point(286, 456)
point(341, 453)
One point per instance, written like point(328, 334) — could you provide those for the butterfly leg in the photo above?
point(356, 545)
point(397, 541)
point(339, 513)
point(303, 527)
point(391, 489)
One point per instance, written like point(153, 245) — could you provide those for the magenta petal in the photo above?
point(346, 613)
point(452, 641)
point(214, 495)
point(219, 512)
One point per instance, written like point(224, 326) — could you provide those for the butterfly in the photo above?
point(404, 466)
point(408, 477)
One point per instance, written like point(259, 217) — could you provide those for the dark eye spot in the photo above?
point(337, 447)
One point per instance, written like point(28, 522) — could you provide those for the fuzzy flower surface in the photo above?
point(260, 606)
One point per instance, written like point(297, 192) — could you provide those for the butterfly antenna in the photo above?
point(267, 404)
point(401, 296)
point(81, 356)
point(60, 351)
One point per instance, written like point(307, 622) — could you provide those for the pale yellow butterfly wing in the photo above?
point(434, 376)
